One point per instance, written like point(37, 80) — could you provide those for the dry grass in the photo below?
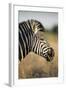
point(35, 66)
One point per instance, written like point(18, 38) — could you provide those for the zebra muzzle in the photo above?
point(51, 54)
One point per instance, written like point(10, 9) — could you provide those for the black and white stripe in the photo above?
point(42, 48)
point(25, 37)
point(28, 41)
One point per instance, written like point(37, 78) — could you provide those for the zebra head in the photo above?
point(47, 51)
point(41, 47)
point(49, 54)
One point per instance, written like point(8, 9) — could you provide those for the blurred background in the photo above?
point(48, 19)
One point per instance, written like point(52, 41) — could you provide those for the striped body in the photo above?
point(28, 41)
point(25, 37)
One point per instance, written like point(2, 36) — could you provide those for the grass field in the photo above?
point(35, 66)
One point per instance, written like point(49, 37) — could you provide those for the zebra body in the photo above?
point(29, 41)
point(25, 37)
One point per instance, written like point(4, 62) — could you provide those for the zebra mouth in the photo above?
point(48, 57)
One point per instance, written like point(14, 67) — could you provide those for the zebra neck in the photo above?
point(36, 45)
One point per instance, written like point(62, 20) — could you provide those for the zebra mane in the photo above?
point(36, 25)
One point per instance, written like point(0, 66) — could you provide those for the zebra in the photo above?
point(29, 41)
